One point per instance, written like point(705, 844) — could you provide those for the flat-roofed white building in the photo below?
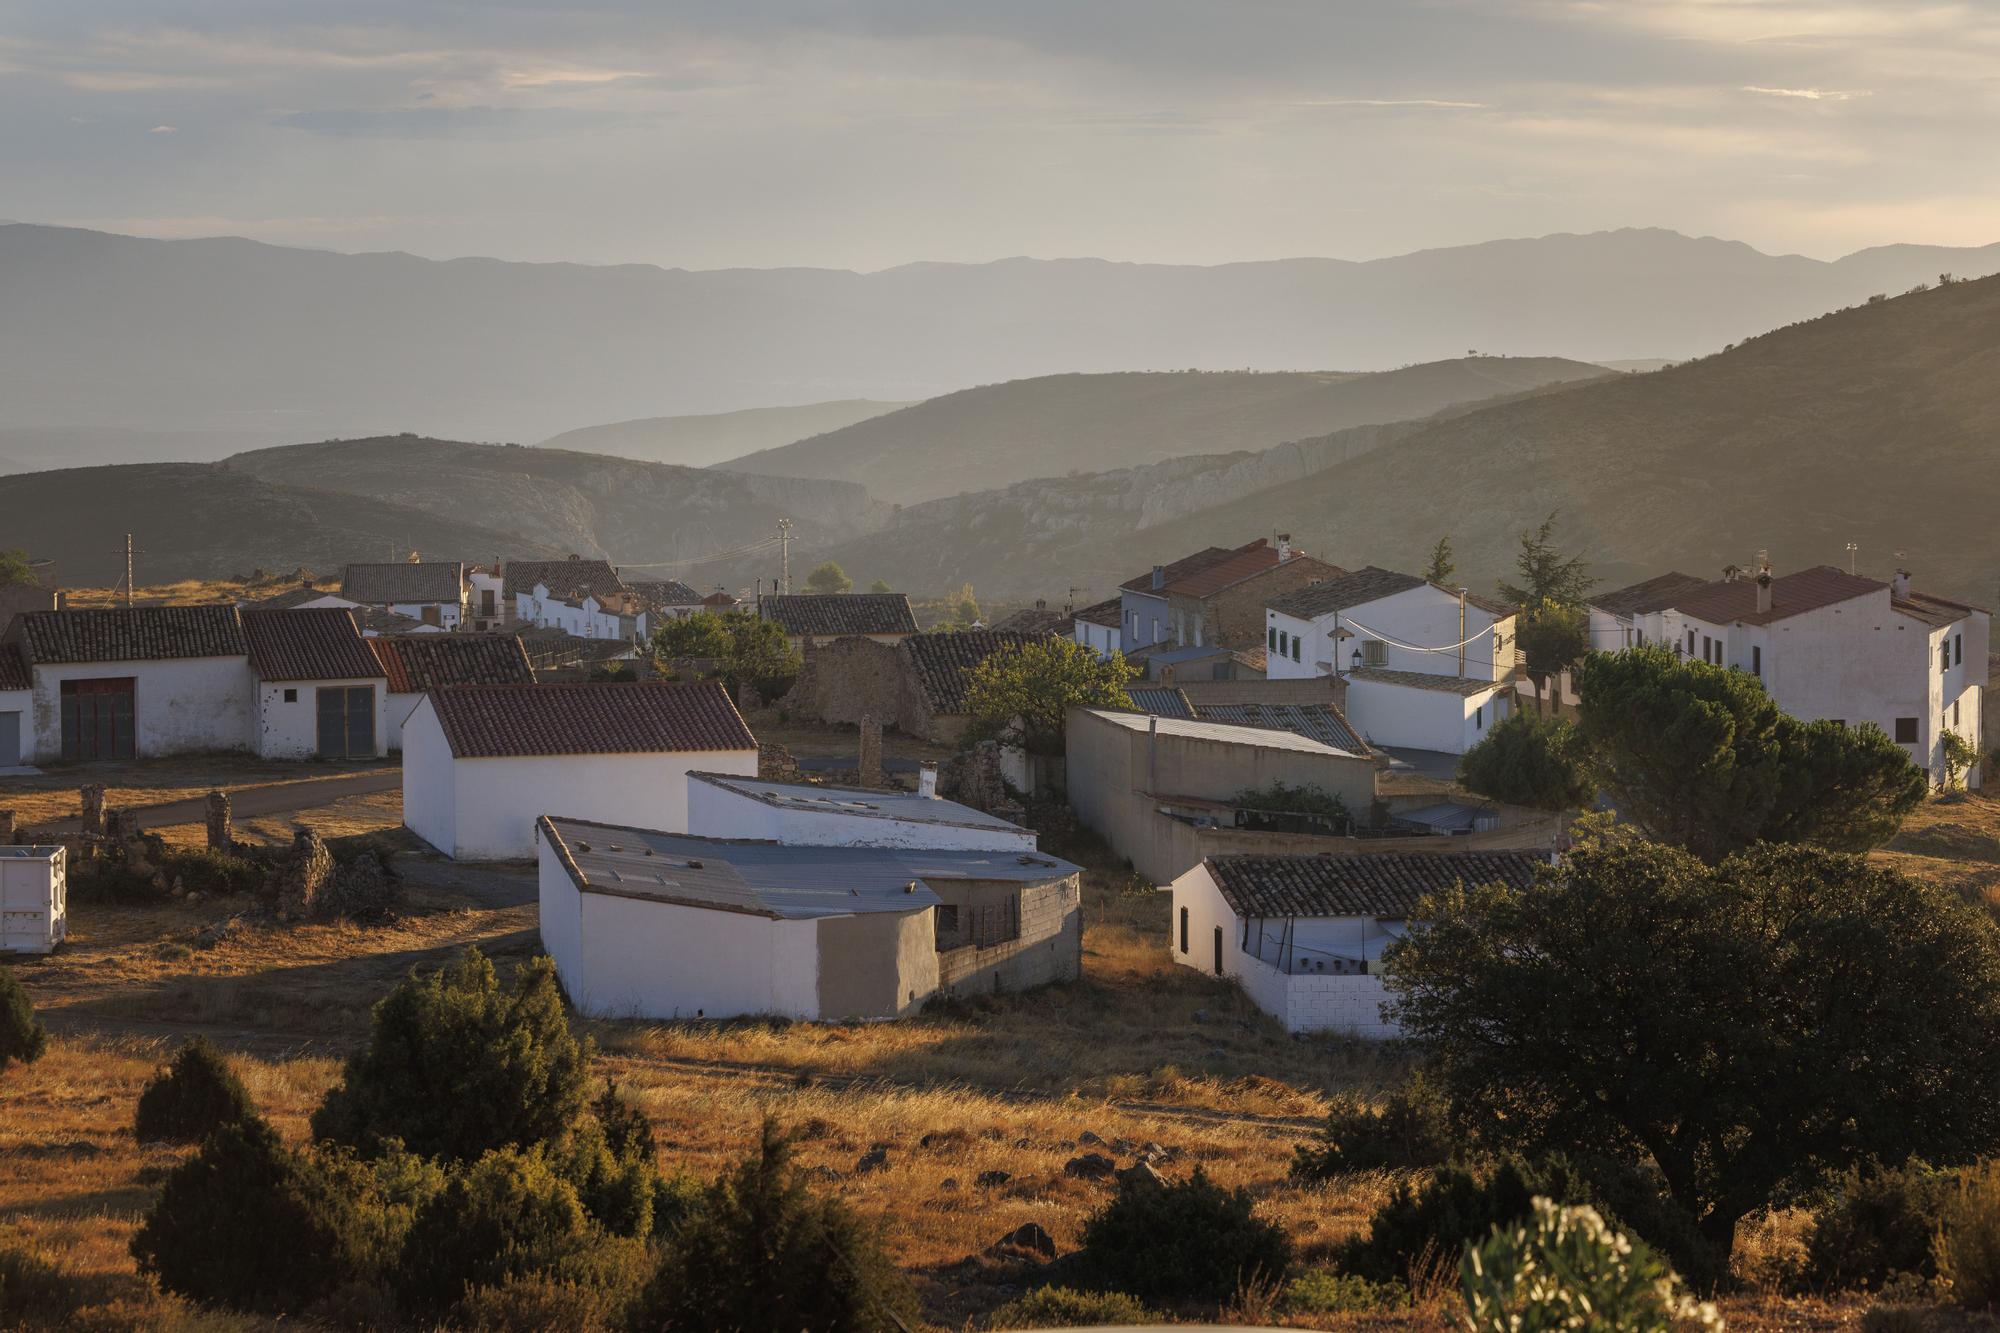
point(799, 814)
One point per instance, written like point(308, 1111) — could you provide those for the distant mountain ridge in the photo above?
point(699, 441)
point(112, 332)
point(999, 434)
point(1873, 425)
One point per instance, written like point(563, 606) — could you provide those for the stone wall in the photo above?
point(1234, 617)
point(846, 680)
point(1049, 948)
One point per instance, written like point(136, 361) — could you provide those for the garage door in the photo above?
point(10, 739)
point(98, 718)
point(347, 722)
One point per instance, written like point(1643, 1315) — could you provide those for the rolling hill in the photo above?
point(630, 512)
point(698, 441)
point(1873, 425)
point(199, 520)
point(101, 332)
point(999, 434)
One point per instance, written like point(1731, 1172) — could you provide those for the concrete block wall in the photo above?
point(1050, 946)
point(1317, 1003)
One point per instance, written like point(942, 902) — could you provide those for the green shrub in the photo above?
point(539, 1305)
point(34, 1293)
point(1563, 1268)
point(1968, 1240)
point(21, 1035)
point(1452, 1206)
point(1323, 1291)
point(457, 1066)
point(1410, 1130)
point(505, 1216)
point(1066, 1307)
point(1530, 760)
point(762, 1253)
point(206, 870)
point(249, 1224)
point(1879, 1224)
point(1181, 1241)
point(198, 1095)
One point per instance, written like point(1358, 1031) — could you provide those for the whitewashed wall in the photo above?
point(183, 705)
point(496, 801)
point(430, 801)
point(1420, 719)
point(396, 711)
point(1100, 639)
point(1425, 616)
point(448, 612)
point(291, 730)
point(716, 812)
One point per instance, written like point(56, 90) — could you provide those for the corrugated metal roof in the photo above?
point(1160, 700)
point(856, 802)
point(308, 643)
point(767, 879)
point(1383, 885)
point(1219, 731)
point(1319, 722)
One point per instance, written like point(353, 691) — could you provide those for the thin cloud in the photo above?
point(164, 129)
point(1805, 94)
point(1421, 103)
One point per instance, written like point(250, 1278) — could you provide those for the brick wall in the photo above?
point(1050, 947)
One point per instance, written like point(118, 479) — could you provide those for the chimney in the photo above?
point(1041, 604)
point(1284, 547)
point(62, 600)
point(1763, 591)
point(1159, 577)
point(1900, 585)
point(927, 780)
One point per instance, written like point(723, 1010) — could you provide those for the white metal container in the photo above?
point(34, 893)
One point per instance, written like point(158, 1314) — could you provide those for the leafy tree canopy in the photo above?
point(459, 1065)
point(741, 647)
point(22, 1036)
point(1443, 563)
point(1530, 760)
point(14, 568)
point(1547, 575)
point(1554, 636)
point(828, 577)
point(703, 636)
point(1699, 756)
point(1038, 682)
point(880, 585)
point(1747, 1028)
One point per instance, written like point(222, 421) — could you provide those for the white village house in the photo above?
point(431, 592)
point(1305, 935)
point(1426, 667)
point(1099, 627)
point(147, 681)
point(17, 706)
point(1827, 645)
point(586, 598)
point(482, 762)
point(642, 923)
point(413, 665)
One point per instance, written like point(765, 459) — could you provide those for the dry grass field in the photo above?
point(134, 783)
point(1138, 1051)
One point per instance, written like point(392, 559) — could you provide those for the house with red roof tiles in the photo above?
point(1215, 596)
point(481, 763)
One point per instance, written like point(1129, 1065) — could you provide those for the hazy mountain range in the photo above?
point(698, 441)
point(256, 343)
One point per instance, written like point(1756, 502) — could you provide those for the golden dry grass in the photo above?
point(187, 592)
point(1953, 840)
point(130, 783)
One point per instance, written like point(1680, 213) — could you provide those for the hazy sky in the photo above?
point(858, 134)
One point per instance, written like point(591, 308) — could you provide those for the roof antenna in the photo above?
point(1851, 549)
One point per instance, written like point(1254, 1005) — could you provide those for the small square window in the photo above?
point(291, 696)
point(1906, 731)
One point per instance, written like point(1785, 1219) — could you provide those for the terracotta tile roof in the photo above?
point(651, 717)
point(1423, 680)
point(656, 594)
point(1343, 589)
point(1791, 595)
point(381, 620)
point(1257, 659)
point(563, 577)
point(721, 600)
point(1937, 612)
point(14, 674)
point(1653, 594)
point(939, 662)
point(1243, 565)
point(308, 643)
point(1385, 885)
point(140, 634)
point(405, 581)
point(1111, 613)
point(415, 663)
point(822, 614)
point(1184, 567)
point(1493, 606)
point(1035, 620)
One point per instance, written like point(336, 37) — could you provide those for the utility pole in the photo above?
point(128, 571)
point(785, 549)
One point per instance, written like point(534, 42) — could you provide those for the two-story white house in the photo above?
point(1829, 644)
point(586, 598)
point(1427, 667)
point(431, 592)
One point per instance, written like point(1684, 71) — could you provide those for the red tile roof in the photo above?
point(308, 643)
point(138, 634)
point(841, 613)
point(14, 669)
point(940, 662)
point(651, 717)
point(415, 663)
point(1185, 566)
point(1791, 594)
